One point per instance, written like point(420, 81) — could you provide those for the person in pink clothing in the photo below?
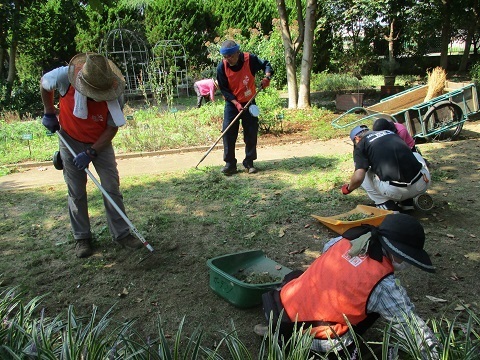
point(397, 128)
point(205, 89)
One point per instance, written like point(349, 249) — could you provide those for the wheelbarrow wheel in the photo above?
point(444, 121)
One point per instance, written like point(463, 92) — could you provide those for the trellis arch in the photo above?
point(131, 54)
point(169, 55)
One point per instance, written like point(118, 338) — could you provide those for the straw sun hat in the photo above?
point(95, 76)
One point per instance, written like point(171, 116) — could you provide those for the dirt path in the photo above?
point(33, 175)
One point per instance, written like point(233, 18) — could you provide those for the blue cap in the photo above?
point(357, 130)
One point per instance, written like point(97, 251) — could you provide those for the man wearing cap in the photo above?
point(91, 95)
point(388, 170)
point(353, 282)
point(236, 80)
point(205, 90)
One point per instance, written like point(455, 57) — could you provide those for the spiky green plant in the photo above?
point(24, 336)
point(16, 323)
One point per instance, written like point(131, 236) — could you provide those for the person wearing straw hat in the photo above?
point(205, 90)
point(236, 80)
point(353, 282)
point(91, 98)
point(388, 170)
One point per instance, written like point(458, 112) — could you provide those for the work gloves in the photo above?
point(82, 160)
point(50, 121)
point(345, 189)
point(265, 82)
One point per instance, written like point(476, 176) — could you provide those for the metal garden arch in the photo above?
point(170, 58)
point(131, 54)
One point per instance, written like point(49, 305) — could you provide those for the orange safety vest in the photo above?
point(335, 285)
point(242, 82)
point(84, 130)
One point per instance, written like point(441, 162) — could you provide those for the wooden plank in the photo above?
point(401, 102)
point(450, 85)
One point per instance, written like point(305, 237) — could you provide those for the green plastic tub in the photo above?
point(250, 266)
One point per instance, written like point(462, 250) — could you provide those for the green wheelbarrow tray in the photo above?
point(227, 270)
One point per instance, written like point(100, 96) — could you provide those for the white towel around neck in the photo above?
point(80, 109)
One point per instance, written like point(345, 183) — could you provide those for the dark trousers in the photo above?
point(250, 133)
point(200, 97)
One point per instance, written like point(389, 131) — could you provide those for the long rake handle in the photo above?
point(228, 127)
point(109, 198)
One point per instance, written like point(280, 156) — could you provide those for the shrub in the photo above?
point(334, 82)
point(475, 72)
point(21, 97)
point(271, 110)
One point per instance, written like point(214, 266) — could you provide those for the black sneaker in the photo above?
point(229, 170)
point(406, 205)
point(388, 205)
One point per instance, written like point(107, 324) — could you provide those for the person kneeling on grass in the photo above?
point(353, 282)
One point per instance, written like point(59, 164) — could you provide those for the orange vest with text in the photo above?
point(242, 82)
point(84, 130)
point(334, 286)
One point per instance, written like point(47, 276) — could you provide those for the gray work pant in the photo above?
point(76, 180)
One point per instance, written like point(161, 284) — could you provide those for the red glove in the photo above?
point(345, 189)
point(238, 106)
point(265, 82)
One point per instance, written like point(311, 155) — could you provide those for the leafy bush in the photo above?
point(334, 82)
point(475, 72)
point(271, 110)
point(21, 97)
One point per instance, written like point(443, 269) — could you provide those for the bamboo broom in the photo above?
point(436, 83)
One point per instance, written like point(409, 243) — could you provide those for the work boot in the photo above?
point(130, 241)
point(229, 170)
point(83, 248)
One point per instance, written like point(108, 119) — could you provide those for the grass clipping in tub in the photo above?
point(256, 277)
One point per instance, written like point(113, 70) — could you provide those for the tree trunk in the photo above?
point(304, 100)
point(11, 62)
point(445, 37)
point(466, 51)
point(289, 51)
point(390, 39)
point(2, 61)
